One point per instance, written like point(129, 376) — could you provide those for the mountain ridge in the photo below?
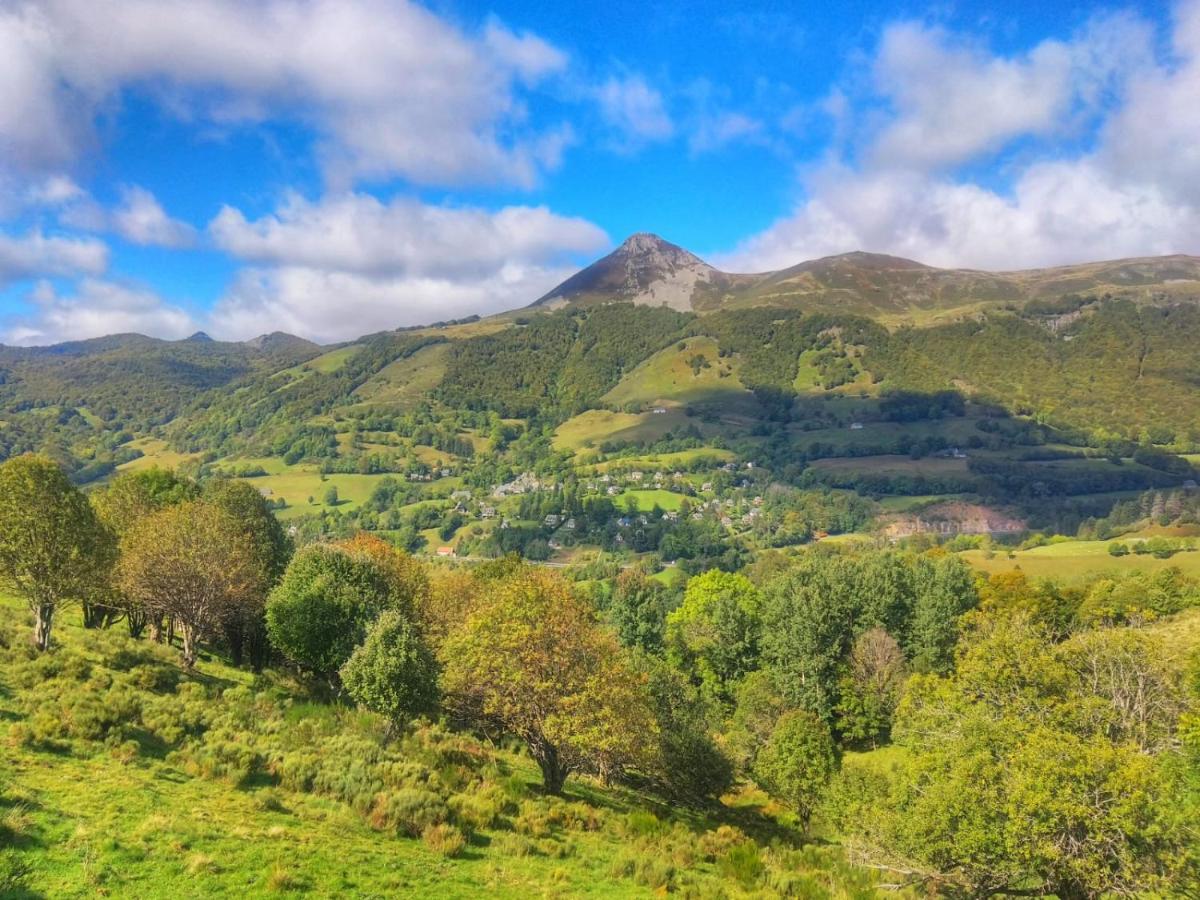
point(648, 270)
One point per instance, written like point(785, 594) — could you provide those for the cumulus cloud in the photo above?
point(96, 307)
point(634, 109)
point(906, 187)
point(389, 88)
point(359, 233)
point(141, 219)
point(351, 264)
point(35, 254)
point(329, 305)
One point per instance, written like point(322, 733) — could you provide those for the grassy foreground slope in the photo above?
point(121, 775)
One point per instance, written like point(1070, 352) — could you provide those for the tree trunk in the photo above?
point(97, 615)
point(137, 620)
point(554, 773)
point(43, 619)
point(189, 646)
point(156, 628)
point(170, 631)
point(235, 637)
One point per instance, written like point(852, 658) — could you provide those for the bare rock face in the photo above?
point(952, 518)
point(645, 270)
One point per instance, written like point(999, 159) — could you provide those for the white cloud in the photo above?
point(351, 264)
point(333, 306)
point(390, 88)
point(35, 255)
point(717, 130)
point(141, 219)
point(1133, 190)
point(359, 233)
point(96, 308)
point(634, 109)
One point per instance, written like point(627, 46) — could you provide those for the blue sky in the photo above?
point(335, 168)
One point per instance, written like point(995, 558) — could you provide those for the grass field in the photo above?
point(669, 376)
point(295, 484)
point(893, 465)
point(407, 380)
point(596, 426)
point(1077, 560)
point(681, 458)
point(647, 499)
point(155, 452)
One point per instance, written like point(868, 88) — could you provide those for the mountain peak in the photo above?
point(645, 269)
point(200, 337)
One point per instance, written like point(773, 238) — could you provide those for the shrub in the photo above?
point(742, 863)
point(408, 811)
point(444, 839)
point(393, 671)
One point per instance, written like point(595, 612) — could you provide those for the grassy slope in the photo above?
point(147, 827)
point(668, 376)
point(406, 381)
point(1076, 560)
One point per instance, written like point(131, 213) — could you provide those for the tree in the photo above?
point(323, 606)
point(244, 624)
point(532, 661)
point(331, 495)
point(691, 767)
point(392, 672)
point(407, 579)
point(190, 562)
point(715, 632)
point(797, 762)
point(124, 503)
point(1023, 772)
point(638, 610)
point(53, 548)
point(870, 688)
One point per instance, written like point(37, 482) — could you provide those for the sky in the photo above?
point(333, 168)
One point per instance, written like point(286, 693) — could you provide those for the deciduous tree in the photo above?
point(190, 562)
point(534, 662)
point(53, 548)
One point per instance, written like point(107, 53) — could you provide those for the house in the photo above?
point(624, 521)
point(707, 486)
point(445, 551)
point(636, 476)
point(570, 525)
point(726, 521)
point(552, 520)
point(856, 426)
point(487, 512)
point(554, 544)
point(613, 490)
point(659, 410)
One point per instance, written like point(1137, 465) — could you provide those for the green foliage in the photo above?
point(1032, 767)
point(323, 606)
point(797, 762)
point(714, 635)
point(533, 660)
point(53, 548)
point(393, 672)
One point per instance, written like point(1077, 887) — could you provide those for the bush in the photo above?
point(742, 863)
point(393, 672)
point(408, 811)
point(444, 839)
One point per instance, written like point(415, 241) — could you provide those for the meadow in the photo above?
point(188, 794)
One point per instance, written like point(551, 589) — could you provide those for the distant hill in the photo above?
point(649, 271)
